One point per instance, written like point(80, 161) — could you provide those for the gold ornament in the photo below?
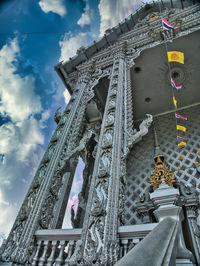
point(153, 16)
point(161, 173)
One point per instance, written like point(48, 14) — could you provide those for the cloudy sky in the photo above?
point(34, 37)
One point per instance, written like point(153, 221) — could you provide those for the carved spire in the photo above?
point(157, 151)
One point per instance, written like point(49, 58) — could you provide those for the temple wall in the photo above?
point(140, 162)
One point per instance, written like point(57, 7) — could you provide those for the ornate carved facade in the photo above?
point(119, 87)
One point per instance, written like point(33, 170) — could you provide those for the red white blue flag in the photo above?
point(167, 25)
point(180, 138)
point(180, 116)
point(174, 85)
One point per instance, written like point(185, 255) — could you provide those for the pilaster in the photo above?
point(53, 174)
point(190, 201)
point(102, 213)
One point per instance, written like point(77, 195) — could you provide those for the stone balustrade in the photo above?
point(130, 235)
point(57, 246)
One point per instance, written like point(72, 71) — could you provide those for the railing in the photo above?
point(57, 247)
point(131, 235)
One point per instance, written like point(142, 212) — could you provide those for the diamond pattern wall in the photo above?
point(140, 163)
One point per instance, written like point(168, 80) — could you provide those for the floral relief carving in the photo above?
point(46, 211)
point(57, 115)
point(104, 164)
point(108, 138)
point(96, 226)
point(113, 91)
point(112, 104)
point(110, 119)
point(42, 171)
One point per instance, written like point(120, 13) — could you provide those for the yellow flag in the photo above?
point(181, 128)
point(181, 158)
point(175, 102)
point(182, 144)
point(175, 56)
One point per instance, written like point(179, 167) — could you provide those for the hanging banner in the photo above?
point(175, 56)
point(175, 102)
point(167, 26)
point(175, 86)
point(182, 144)
point(180, 116)
point(181, 138)
point(181, 128)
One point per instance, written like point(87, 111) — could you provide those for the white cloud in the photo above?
point(22, 133)
point(8, 212)
point(70, 44)
point(114, 11)
point(85, 18)
point(20, 143)
point(29, 137)
point(7, 132)
point(18, 99)
point(45, 116)
point(56, 6)
point(67, 96)
point(20, 138)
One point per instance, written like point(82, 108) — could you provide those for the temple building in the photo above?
point(134, 119)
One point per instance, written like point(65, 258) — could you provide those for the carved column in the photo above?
point(102, 213)
point(46, 189)
point(191, 202)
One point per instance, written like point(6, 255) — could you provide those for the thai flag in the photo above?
point(180, 116)
point(180, 138)
point(174, 85)
point(167, 25)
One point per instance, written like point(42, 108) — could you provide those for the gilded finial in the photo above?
point(161, 173)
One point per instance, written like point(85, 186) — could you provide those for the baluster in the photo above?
point(35, 258)
point(51, 258)
point(70, 250)
point(131, 245)
point(137, 240)
point(121, 251)
point(59, 259)
point(43, 258)
point(125, 246)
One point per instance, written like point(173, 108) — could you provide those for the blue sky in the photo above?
point(34, 37)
